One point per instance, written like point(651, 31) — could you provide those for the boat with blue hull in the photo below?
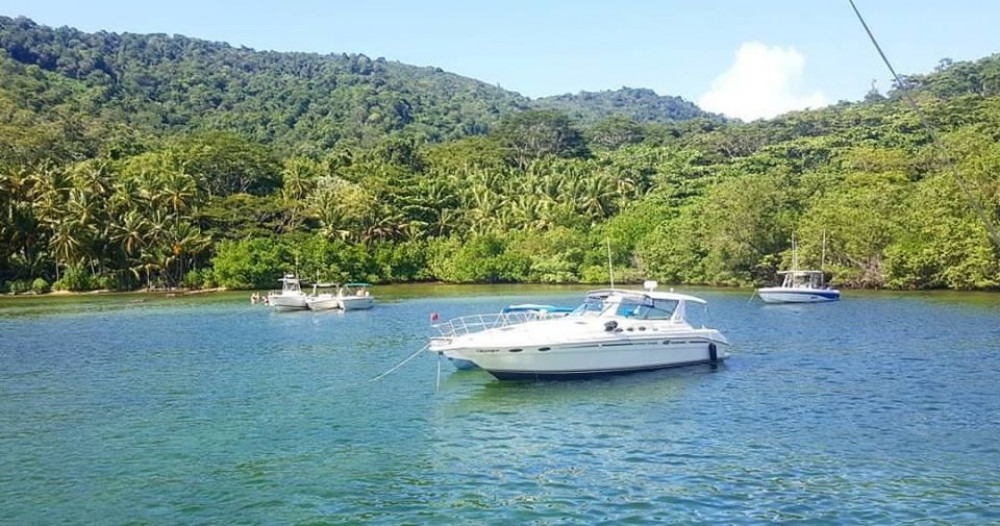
point(800, 286)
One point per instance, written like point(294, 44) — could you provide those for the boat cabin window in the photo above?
point(649, 309)
point(629, 308)
point(589, 307)
point(658, 309)
point(802, 280)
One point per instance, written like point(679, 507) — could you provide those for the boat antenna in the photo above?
point(991, 228)
point(795, 255)
point(611, 268)
point(822, 260)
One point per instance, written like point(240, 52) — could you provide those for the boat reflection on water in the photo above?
point(475, 392)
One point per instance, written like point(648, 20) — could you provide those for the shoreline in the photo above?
point(70, 293)
point(170, 293)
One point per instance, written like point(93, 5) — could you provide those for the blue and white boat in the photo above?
point(799, 286)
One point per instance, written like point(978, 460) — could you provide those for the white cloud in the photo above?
point(764, 81)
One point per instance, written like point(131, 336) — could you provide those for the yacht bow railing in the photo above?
point(480, 322)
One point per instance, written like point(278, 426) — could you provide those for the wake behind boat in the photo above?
point(612, 331)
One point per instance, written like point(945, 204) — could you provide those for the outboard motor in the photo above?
point(610, 325)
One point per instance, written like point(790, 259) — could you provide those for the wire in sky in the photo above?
point(980, 210)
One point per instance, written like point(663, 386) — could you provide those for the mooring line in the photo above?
point(400, 364)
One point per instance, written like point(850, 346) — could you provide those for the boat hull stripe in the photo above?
point(571, 375)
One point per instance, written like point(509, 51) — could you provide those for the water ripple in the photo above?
point(881, 409)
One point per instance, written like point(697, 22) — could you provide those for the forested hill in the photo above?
point(160, 82)
point(640, 105)
point(302, 102)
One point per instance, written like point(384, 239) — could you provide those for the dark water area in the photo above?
point(883, 408)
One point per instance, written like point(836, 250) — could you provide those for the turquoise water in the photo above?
point(879, 409)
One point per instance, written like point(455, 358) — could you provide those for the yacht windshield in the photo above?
point(589, 307)
point(629, 308)
point(650, 309)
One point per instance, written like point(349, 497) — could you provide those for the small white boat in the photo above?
point(290, 297)
point(355, 296)
point(612, 331)
point(799, 286)
point(320, 301)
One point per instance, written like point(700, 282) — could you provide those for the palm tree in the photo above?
point(131, 231)
point(177, 190)
point(127, 196)
point(186, 244)
point(145, 264)
point(65, 243)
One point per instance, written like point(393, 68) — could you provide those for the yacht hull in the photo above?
point(580, 375)
point(786, 295)
point(287, 302)
point(356, 302)
point(614, 355)
point(462, 364)
point(323, 303)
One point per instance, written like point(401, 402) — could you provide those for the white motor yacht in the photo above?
point(291, 296)
point(612, 331)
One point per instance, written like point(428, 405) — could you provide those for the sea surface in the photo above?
point(883, 408)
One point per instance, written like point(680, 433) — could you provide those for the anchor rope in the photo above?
point(400, 364)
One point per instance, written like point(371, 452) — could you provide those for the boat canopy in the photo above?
point(534, 307)
point(802, 278)
point(357, 284)
point(640, 294)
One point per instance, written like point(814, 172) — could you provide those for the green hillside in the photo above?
point(131, 161)
point(174, 84)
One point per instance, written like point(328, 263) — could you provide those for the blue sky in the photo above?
point(745, 59)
